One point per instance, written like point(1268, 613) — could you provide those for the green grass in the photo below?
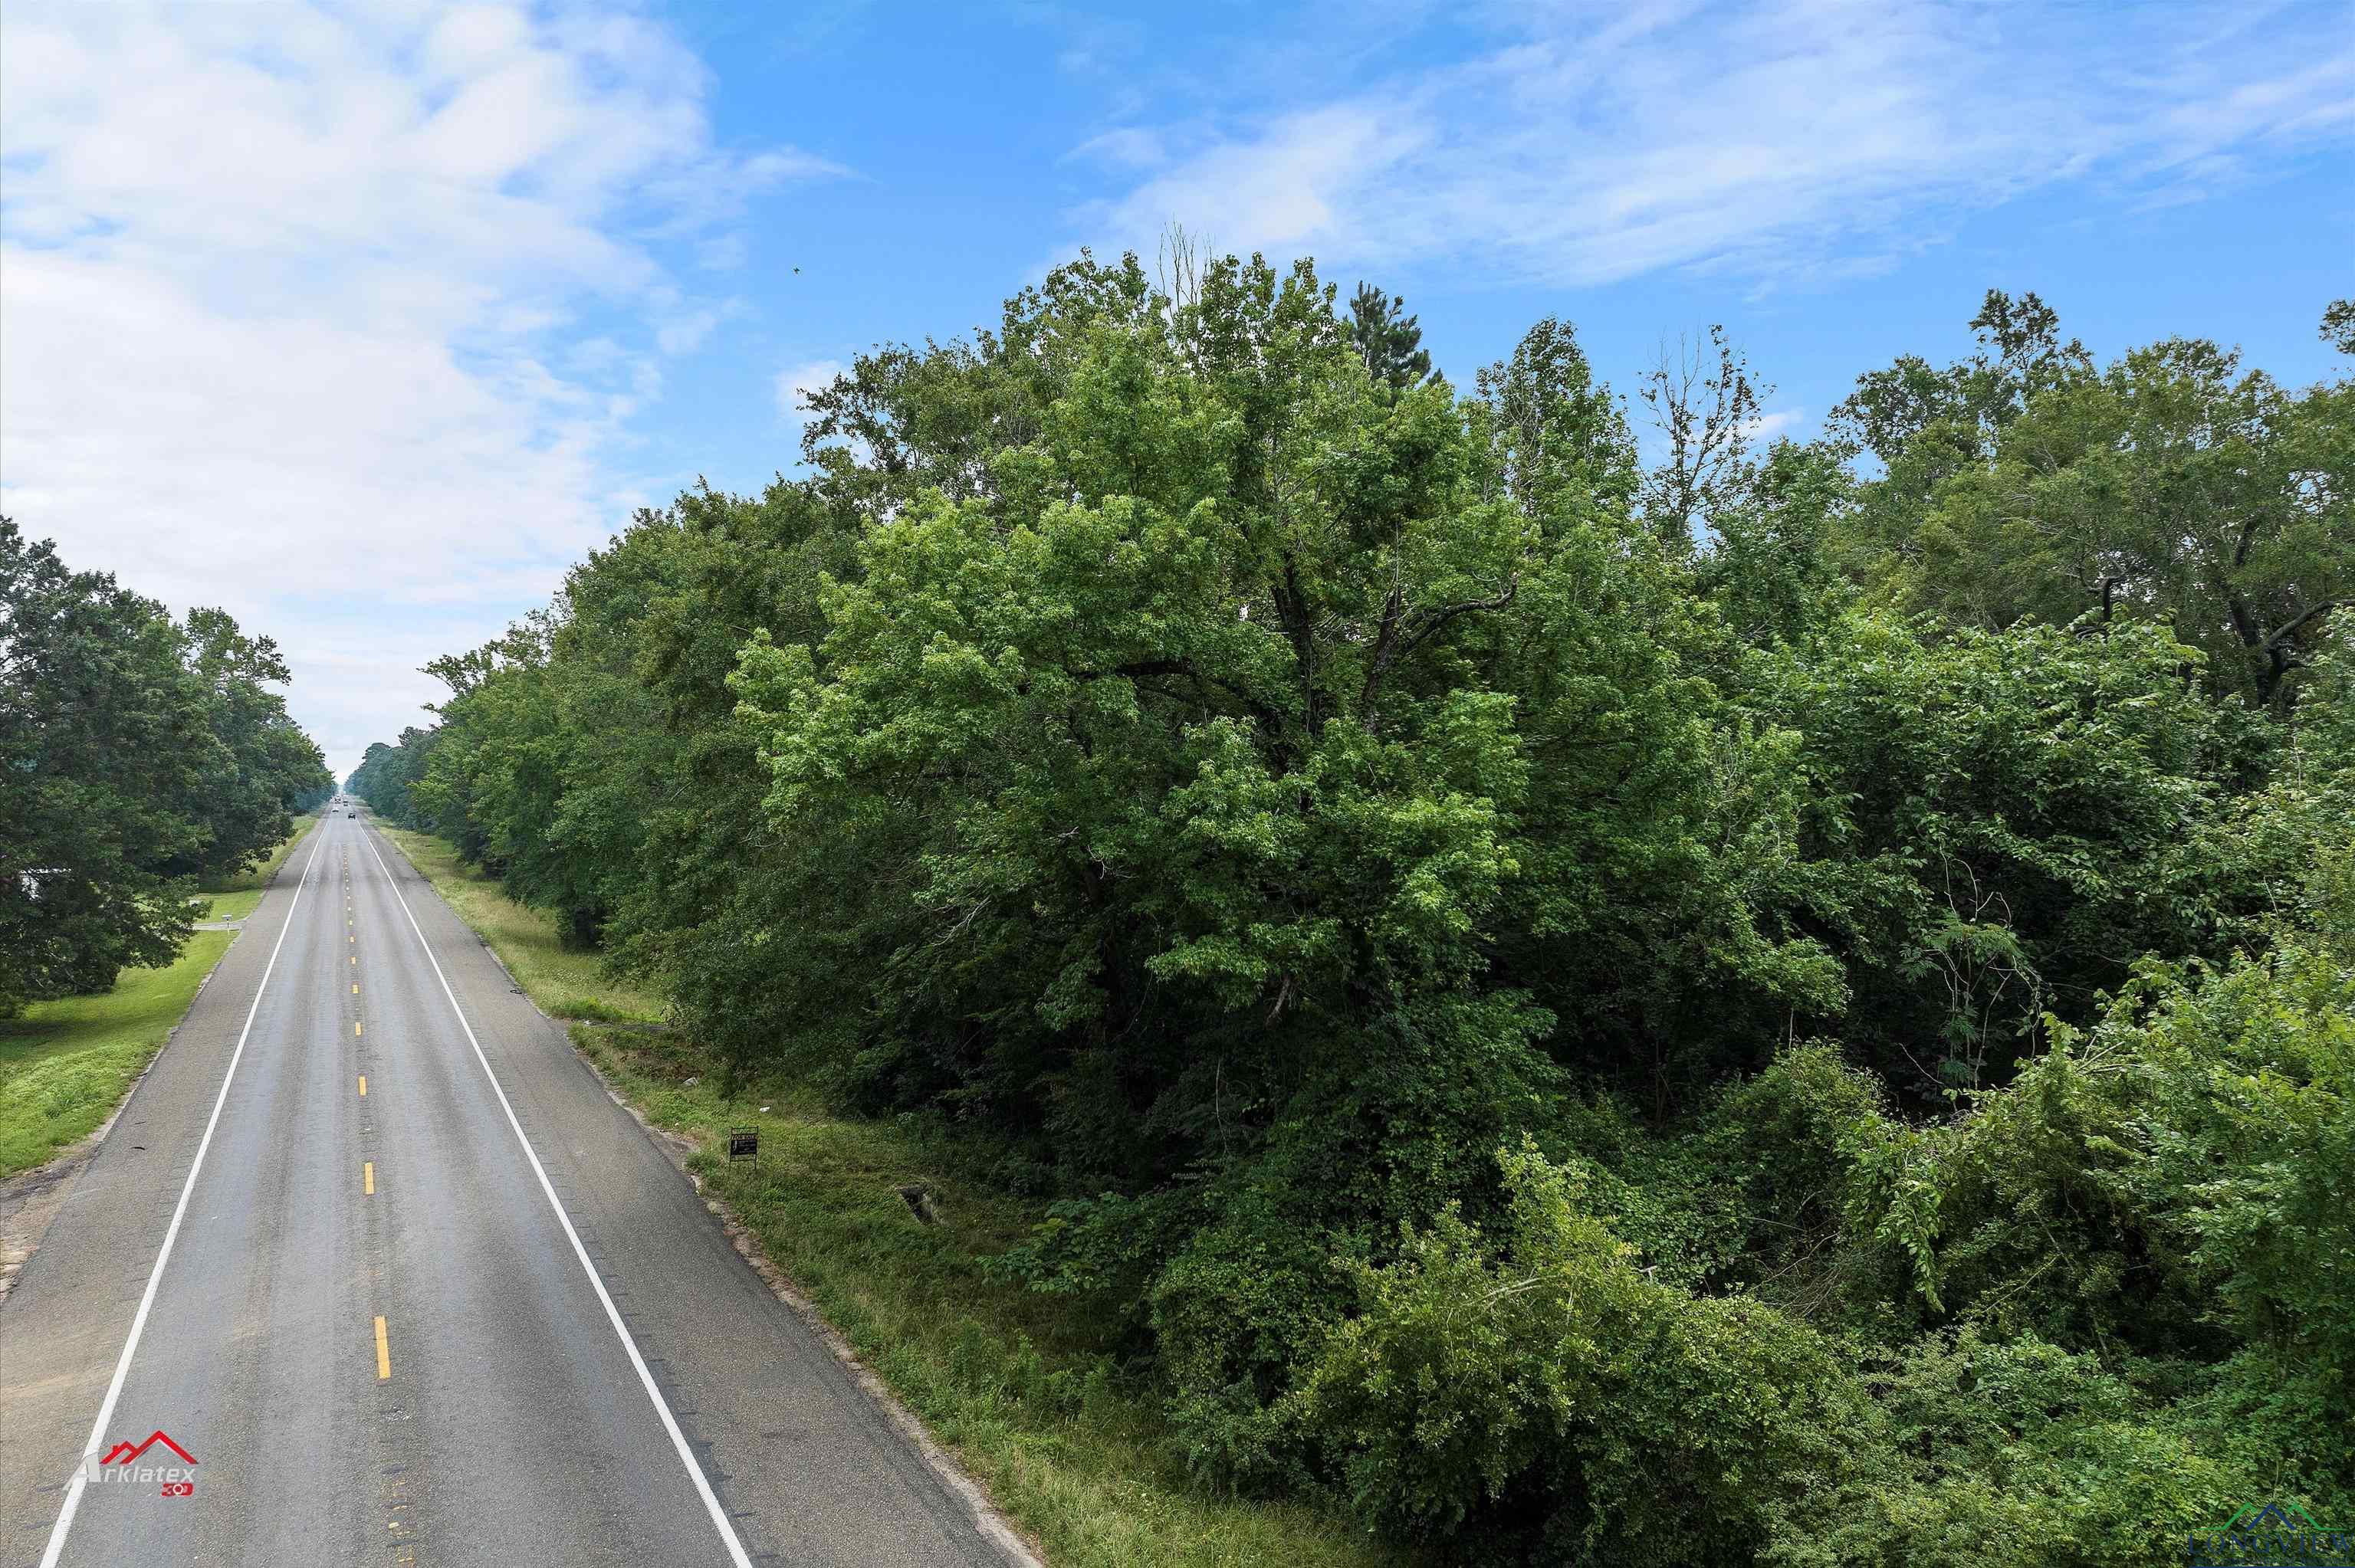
point(235, 897)
point(1015, 1384)
point(566, 982)
point(232, 905)
point(64, 1064)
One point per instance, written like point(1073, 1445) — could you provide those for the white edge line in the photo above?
point(74, 1488)
point(735, 1553)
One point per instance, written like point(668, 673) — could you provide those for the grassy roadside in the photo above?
point(234, 898)
point(65, 1064)
point(1015, 1384)
point(565, 984)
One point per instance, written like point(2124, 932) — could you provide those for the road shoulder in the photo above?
point(809, 1460)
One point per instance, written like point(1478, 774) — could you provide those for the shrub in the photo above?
point(1242, 1306)
point(1537, 1394)
point(2020, 1452)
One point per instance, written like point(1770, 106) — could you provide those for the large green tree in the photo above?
point(135, 755)
point(272, 766)
point(388, 770)
point(2171, 485)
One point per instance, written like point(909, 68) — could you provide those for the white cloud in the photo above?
point(1300, 185)
point(284, 294)
point(795, 384)
point(1126, 148)
point(1768, 136)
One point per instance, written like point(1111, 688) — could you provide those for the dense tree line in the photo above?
point(1789, 1005)
point(138, 755)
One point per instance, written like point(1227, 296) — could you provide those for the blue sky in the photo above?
point(365, 321)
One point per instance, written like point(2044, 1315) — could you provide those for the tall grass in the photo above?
point(567, 983)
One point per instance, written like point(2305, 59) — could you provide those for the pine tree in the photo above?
point(1387, 337)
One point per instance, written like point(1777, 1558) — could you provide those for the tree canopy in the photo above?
point(139, 754)
point(2029, 484)
point(1785, 1005)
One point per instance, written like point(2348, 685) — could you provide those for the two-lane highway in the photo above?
point(376, 1252)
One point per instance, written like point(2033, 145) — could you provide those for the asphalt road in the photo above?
point(377, 1250)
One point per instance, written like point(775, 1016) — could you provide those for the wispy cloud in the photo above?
point(1592, 143)
point(1126, 148)
point(796, 383)
point(287, 291)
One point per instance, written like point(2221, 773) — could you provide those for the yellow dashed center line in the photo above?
point(383, 1353)
point(355, 1028)
point(363, 1086)
point(356, 988)
point(367, 1177)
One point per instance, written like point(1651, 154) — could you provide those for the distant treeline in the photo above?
point(1786, 1003)
point(138, 755)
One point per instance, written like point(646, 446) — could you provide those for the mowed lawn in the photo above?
point(1024, 1388)
point(65, 1064)
point(234, 898)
